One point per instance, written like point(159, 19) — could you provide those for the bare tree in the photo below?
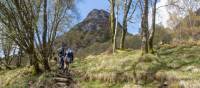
point(53, 18)
point(144, 27)
point(182, 18)
point(19, 17)
point(116, 26)
point(112, 21)
point(22, 21)
point(19, 57)
point(127, 6)
point(44, 38)
point(7, 48)
point(151, 37)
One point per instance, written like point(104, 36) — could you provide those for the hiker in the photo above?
point(70, 55)
point(61, 55)
point(68, 59)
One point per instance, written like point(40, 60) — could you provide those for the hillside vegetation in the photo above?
point(122, 44)
point(23, 78)
point(172, 66)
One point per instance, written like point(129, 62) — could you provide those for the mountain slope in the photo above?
point(172, 67)
point(91, 36)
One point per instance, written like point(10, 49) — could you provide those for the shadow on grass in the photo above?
point(172, 59)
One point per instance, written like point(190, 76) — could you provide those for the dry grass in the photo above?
point(15, 78)
point(110, 68)
point(23, 78)
point(176, 66)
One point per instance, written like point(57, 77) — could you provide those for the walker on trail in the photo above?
point(65, 58)
point(70, 55)
point(68, 59)
point(61, 55)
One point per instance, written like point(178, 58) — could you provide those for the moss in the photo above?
point(17, 78)
point(21, 78)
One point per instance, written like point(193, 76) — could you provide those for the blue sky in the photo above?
point(86, 6)
point(162, 16)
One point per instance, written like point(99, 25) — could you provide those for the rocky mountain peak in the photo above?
point(98, 14)
point(95, 20)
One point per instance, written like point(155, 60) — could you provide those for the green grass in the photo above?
point(21, 77)
point(109, 71)
point(17, 78)
point(177, 65)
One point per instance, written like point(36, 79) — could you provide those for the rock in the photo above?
point(60, 84)
point(61, 79)
point(96, 20)
point(63, 75)
point(98, 14)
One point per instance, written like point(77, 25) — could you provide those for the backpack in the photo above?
point(62, 52)
point(70, 55)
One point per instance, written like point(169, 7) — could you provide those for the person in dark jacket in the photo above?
point(61, 55)
point(70, 55)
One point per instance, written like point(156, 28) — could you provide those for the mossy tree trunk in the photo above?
point(151, 37)
point(127, 5)
point(144, 26)
point(44, 38)
point(32, 54)
point(116, 27)
point(19, 60)
point(112, 22)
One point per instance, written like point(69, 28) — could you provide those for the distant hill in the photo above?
point(91, 36)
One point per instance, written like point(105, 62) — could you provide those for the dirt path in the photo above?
point(64, 80)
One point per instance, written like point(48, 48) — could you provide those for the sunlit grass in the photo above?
point(176, 65)
point(21, 78)
point(114, 69)
point(17, 78)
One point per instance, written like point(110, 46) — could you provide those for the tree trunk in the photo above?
point(34, 61)
point(112, 18)
point(18, 64)
point(127, 6)
point(37, 69)
point(123, 38)
point(46, 64)
point(151, 38)
point(32, 54)
point(115, 33)
point(144, 26)
point(31, 61)
point(44, 38)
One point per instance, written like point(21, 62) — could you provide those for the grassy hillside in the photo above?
point(23, 77)
point(174, 66)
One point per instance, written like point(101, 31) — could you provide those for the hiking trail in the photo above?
point(64, 80)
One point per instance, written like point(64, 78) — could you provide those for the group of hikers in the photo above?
point(66, 57)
